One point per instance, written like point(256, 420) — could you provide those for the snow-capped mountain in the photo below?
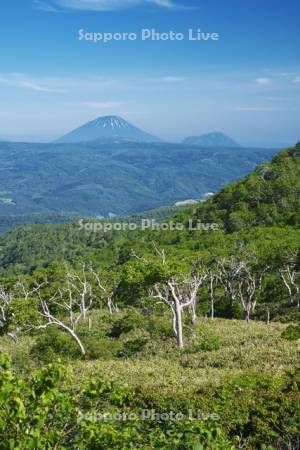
point(215, 139)
point(107, 128)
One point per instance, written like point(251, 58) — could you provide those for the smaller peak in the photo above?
point(213, 139)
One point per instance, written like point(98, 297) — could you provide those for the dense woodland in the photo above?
point(186, 320)
point(96, 179)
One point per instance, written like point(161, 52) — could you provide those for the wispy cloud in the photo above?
point(287, 108)
point(254, 108)
point(296, 79)
point(54, 84)
point(101, 105)
point(263, 81)
point(44, 6)
point(98, 5)
point(168, 79)
point(22, 81)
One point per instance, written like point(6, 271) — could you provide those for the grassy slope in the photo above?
point(160, 365)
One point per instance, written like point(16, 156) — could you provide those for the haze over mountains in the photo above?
point(109, 166)
point(116, 129)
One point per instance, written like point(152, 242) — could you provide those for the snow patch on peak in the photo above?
point(110, 122)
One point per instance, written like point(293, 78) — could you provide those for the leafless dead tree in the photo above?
point(178, 294)
point(23, 290)
point(290, 277)
point(73, 313)
point(242, 282)
point(6, 299)
point(68, 306)
point(108, 291)
point(213, 282)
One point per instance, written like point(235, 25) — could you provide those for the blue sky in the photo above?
point(247, 84)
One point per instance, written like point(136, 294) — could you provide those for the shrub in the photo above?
point(161, 327)
point(43, 411)
point(35, 412)
point(205, 341)
point(132, 347)
point(291, 333)
point(101, 347)
point(209, 343)
point(53, 343)
point(132, 320)
point(229, 310)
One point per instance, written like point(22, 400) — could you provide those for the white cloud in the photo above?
point(266, 108)
point(254, 108)
point(101, 105)
point(168, 79)
point(24, 82)
point(263, 81)
point(54, 84)
point(43, 6)
point(164, 3)
point(98, 5)
point(171, 79)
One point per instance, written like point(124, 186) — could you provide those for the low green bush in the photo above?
point(53, 343)
point(98, 347)
point(44, 410)
point(291, 333)
point(132, 320)
point(132, 347)
point(161, 327)
point(205, 341)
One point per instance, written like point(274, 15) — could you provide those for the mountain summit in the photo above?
point(215, 139)
point(112, 128)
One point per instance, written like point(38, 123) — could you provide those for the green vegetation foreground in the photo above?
point(155, 321)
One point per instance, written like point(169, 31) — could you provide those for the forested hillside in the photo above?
point(96, 179)
point(182, 318)
point(269, 196)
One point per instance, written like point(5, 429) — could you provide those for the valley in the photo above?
point(96, 179)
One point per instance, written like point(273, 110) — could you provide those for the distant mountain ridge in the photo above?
point(214, 139)
point(107, 128)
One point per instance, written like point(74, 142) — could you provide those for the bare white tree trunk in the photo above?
point(178, 322)
point(178, 295)
point(290, 278)
point(108, 291)
point(242, 283)
point(6, 299)
point(212, 297)
point(268, 316)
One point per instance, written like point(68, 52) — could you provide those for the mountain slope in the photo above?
point(107, 128)
point(215, 139)
point(267, 197)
